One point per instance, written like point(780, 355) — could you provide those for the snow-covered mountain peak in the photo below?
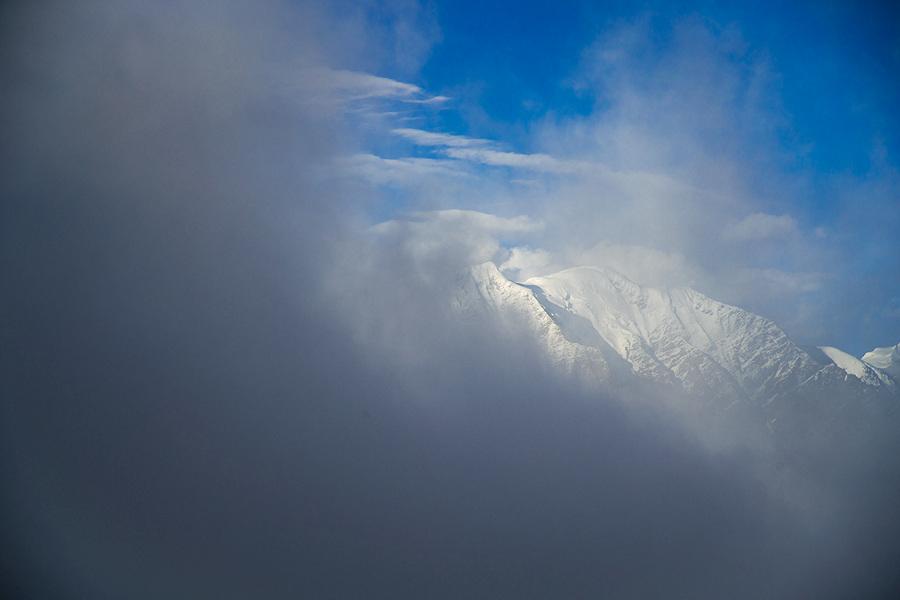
point(706, 345)
point(886, 359)
point(856, 367)
point(590, 281)
point(600, 324)
point(485, 291)
point(609, 331)
point(605, 274)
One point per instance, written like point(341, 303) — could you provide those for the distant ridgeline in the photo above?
point(607, 330)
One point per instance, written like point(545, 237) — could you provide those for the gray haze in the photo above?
point(217, 383)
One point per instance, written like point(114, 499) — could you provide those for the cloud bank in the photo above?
point(231, 380)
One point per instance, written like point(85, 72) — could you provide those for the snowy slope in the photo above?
point(604, 327)
point(484, 291)
point(856, 367)
point(886, 360)
point(719, 350)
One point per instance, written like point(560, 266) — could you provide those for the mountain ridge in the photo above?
point(601, 325)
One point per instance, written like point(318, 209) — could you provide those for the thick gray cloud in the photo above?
point(220, 382)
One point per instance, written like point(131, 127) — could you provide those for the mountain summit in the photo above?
point(597, 323)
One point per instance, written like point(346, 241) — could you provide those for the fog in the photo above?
point(222, 379)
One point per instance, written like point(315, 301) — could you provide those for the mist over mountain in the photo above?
point(598, 322)
point(413, 300)
point(599, 326)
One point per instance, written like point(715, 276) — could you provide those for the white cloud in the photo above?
point(430, 100)
point(532, 162)
point(777, 283)
point(483, 221)
point(400, 171)
point(476, 150)
point(355, 85)
point(759, 226)
point(524, 262)
point(364, 85)
point(430, 138)
point(642, 264)
point(453, 239)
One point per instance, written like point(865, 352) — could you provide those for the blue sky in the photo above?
point(750, 152)
point(838, 63)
